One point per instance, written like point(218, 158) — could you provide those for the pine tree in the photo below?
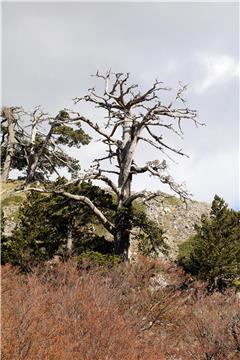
point(213, 254)
point(33, 143)
point(53, 225)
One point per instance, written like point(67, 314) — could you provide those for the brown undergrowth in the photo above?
point(123, 313)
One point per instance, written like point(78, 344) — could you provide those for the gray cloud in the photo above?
point(50, 49)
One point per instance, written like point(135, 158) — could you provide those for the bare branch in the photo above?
point(63, 161)
point(150, 142)
point(146, 195)
point(158, 140)
point(94, 127)
point(110, 171)
point(145, 97)
point(137, 195)
point(97, 175)
point(107, 224)
point(109, 156)
point(156, 168)
point(51, 163)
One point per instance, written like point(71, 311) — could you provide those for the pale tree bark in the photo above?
point(132, 118)
point(30, 140)
point(83, 199)
point(36, 154)
point(69, 245)
point(35, 157)
point(8, 114)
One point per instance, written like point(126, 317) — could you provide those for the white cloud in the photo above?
point(218, 69)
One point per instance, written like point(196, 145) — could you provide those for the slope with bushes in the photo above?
point(65, 313)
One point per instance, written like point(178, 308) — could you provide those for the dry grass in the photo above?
point(66, 313)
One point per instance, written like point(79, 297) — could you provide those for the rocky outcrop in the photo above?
point(10, 219)
point(11, 201)
point(177, 220)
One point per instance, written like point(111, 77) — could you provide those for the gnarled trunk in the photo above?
point(123, 224)
point(122, 233)
point(33, 162)
point(10, 144)
point(35, 157)
point(125, 159)
point(122, 242)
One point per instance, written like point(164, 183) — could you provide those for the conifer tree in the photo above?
point(61, 227)
point(32, 142)
point(213, 254)
point(65, 227)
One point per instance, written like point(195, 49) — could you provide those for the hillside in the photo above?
point(149, 309)
point(172, 214)
point(176, 219)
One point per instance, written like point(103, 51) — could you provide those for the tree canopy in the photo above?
point(32, 142)
point(132, 118)
point(64, 227)
point(61, 227)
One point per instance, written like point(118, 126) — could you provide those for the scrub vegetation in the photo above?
point(71, 288)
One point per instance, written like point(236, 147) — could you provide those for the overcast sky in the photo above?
point(50, 49)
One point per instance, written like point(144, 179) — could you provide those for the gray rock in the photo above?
point(176, 219)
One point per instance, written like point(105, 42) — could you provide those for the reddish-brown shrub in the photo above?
point(66, 313)
point(213, 328)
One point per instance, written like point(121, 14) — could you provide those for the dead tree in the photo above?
point(132, 118)
point(10, 116)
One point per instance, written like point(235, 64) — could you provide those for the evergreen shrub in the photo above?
point(213, 254)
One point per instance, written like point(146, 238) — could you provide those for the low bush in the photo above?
point(90, 259)
point(66, 312)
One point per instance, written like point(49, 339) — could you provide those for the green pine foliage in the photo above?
point(150, 236)
point(2, 224)
point(213, 254)
point(71, 136)
point(54, 155)
point(46, 222)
